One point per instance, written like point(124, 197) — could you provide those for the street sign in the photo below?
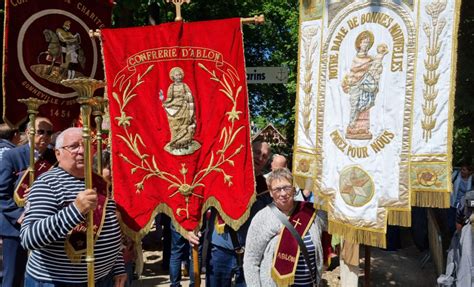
point(267, 75)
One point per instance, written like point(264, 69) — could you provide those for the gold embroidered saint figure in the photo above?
point(180, 109)
point(362, 85)
point(64, 56)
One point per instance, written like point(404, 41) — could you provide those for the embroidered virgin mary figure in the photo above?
point(180, 110)
point(362, 85)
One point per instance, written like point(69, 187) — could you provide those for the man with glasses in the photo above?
point(14, 162)
point(59, 204)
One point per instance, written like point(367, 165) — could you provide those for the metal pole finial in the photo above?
point(177, 4)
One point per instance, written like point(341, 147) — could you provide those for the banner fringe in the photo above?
point(136, 236)
point(233, 223)
point(430, 199)
point(282, 281)
point(399, 217)
point(353, 234)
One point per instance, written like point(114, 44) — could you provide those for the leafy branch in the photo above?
point(228, 134)
point(134, 141)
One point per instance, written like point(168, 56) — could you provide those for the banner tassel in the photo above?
point(399, 217)
point(430, 199)
point(353, 234)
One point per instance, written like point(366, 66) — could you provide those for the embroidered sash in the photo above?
point(76, 240)
point(41, 166)
point(287, 252)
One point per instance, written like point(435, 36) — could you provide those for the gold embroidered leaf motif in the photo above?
point(125, 92)
point(129, 144)
point(233, 115)
point(185, 190)
point(428, 124)
point(432, 66)
point(155, 166)
point(237, 93)
point(115, 96)
point(213, 73)
point(172, 186)
point(234, 135)
point(223, 134)
point(183, 170)
point(227, 179)
point(123, 120)
point(139, 187)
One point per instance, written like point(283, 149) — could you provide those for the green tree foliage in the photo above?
point(463, 144)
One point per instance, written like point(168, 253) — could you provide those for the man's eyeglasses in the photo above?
point(73, 148)
point(286, 188)
point(43, 132)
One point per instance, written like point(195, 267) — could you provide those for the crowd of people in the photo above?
point(283, 243)
point(43, 242)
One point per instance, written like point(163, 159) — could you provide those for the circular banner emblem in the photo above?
point(356, 186)
point(64, 51)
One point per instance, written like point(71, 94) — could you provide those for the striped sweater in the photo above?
point(303, 273)
point(51, 215)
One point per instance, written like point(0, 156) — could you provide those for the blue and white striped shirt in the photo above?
point(302, 274)
point(51, 215)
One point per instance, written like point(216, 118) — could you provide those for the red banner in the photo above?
point(179, 122)
point(46, 42)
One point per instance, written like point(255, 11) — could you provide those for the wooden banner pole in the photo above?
point(196, 269)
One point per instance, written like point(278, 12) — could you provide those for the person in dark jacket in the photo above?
point(9, 138)
point(15, 161)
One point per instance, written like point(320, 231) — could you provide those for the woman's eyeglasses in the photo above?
point(286, 188)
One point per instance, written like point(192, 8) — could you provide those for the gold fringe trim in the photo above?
point(19, 201)
point(163, 208)
point(430, 199)
point(399, 217)
point(282, 281)
point(353, 234)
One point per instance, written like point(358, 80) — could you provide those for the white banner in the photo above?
point(376, 90)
